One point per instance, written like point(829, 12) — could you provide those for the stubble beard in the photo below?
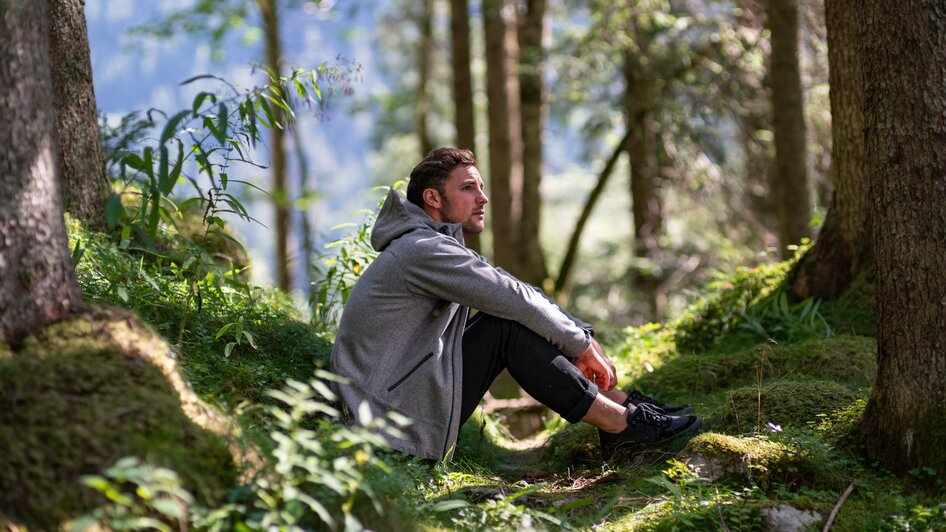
point(469, 226)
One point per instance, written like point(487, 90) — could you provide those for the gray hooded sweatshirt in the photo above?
point(400, 337)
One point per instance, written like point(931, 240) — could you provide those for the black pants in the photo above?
point(491, 344)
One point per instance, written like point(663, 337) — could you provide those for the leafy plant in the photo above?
point(319, 474)
point(775, 318)
point(337, 272)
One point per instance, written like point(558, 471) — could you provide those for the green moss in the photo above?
point(786, 403)
point(854, 312)
point(847, 359)
point(757, 459)
point(571, 445)
point(86, 392)
point(191, 312)
point(719, 310)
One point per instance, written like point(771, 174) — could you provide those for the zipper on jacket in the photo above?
point(411, 372)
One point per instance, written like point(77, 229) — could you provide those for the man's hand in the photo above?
point(596, 367)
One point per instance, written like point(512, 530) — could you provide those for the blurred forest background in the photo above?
point(653, 124)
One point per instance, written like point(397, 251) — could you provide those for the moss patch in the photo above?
point(850, 359)
point(572, 445)
point(761, 461)
point(82, 394)
point(854, 312)
point(786, 403)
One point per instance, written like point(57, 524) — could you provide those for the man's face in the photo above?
point(464, 201)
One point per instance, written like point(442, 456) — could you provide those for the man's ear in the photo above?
point(432, 198)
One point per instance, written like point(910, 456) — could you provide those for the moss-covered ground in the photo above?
point(780, 385)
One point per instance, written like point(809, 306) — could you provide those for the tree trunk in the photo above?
point(425, 50)
point(646, 202)
point(903, 47)
point(463, 86)
point(843, 245)
point(791, 190)
point(531, 95)
point(505, 146)
point(37, 277)
point(81, 162)
point(281, 199)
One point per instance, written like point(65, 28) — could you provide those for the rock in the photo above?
point(787, 518)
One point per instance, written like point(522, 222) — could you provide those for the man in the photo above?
point(406, 344)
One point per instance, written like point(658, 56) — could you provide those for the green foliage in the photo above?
point(338, 272)
point(774, 318)
point(158, 500)
point(324, 476)
point(210, 317)
point(724, 304)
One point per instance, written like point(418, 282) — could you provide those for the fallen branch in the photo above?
point(834, 511)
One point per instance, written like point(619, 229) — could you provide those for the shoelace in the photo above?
point(652, 417)
point(641, 398)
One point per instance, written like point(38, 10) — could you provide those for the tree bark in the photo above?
point(37, 277)
point(843, 245)
point(903, 47)
point(505, 145)
point(531, 95)
point(791, 190)
point(81, 162)
point(281, 199)
point(425, 49)
point(646, 201)
point(463, 85)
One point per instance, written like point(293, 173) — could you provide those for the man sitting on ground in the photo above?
point(406, 342)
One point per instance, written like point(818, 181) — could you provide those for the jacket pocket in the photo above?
point(411, 372)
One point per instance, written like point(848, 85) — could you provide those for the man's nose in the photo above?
point(482, 200)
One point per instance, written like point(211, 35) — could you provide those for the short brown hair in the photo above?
point(433, 171)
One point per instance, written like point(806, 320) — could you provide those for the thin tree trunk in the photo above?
point(563, 282)
point(843, 245)
point(791, 191)
point(425, 50)
point(646, 202)
point(463, 86)
point(281, 196)
point(81, 162)
point(532, 94)
point(37, 277)
point(903, 47)
point(505, 146)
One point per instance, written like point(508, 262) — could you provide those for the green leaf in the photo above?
point(163, 165)
point(221, 123)
point(223, 330)
point(199, 100)
point(171, 127)
point(122, 293)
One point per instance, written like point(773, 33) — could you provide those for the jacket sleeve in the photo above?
point(439, 266)
point(577, 321)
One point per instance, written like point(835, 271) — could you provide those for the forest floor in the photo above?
point(780, 385)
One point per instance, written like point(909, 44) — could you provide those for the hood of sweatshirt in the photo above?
point(399, 217)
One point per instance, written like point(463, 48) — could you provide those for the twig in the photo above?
point(720, 512)
point(834, 511)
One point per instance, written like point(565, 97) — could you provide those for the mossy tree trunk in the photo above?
point(81, 162)
point(843, 248)
point(791, 180)
point(532, 95)
point(37, 277)
point(464, 117)
point(903, 47)
point(505, 145)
